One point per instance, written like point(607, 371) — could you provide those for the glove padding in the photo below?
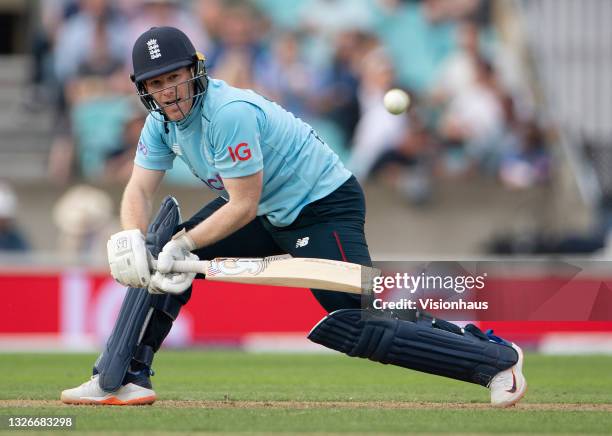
point(164, 281)
point(176, 249)
point(172, 283)
point(128, 258)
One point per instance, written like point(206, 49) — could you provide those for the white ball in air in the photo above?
point(396, 101)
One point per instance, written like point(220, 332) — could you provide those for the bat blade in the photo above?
point(293, 272)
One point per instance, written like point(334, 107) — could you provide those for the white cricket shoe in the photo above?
point(90, 392)
point(509, 386)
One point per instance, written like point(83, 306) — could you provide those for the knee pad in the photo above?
point(427, 345)
point(125, 342)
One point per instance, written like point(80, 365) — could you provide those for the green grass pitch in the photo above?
point(225, 392)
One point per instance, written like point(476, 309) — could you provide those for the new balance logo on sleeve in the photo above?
point(302, 242)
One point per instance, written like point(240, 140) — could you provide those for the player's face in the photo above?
point(173, 92)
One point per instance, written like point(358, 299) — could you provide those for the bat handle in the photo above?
point(185, 266)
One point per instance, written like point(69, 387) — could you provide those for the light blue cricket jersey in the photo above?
point(233, 132)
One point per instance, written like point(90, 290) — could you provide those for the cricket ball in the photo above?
point(396, 101)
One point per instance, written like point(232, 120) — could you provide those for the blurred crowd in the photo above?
point(327, 61)
point(12, 238)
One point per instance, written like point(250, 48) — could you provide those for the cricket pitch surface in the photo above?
point(235, 392)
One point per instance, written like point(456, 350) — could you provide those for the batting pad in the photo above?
point(414, 345)
point(138, 307)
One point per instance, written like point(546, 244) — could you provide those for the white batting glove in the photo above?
point(178, 248)
point(127, 257)
point(172, 283)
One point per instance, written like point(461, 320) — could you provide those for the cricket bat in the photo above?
point(283, 270)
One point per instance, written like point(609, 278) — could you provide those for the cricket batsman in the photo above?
point(280, 190)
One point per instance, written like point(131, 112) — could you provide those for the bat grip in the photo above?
point(185, 266)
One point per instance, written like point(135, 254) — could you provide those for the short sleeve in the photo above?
point(152, 152)
point(235, 137)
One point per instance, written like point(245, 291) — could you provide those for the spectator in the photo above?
point(119, 161)
point(455, 10)
point(77, 37)
point(528, 163)
point(53, 14)
point(324, 21)
point(286, 77)
point(84, 216)
point(339, 101)
point(472, 123)
point(417, 41)
point(158, 13)
point(98, 108)
point(282, 16)
point(78, 40)
point(377, 130)
point(210, 14)
point(458, 71)
point(407, 167)
point(11, 237)
point(240, 46)
point(329, 18)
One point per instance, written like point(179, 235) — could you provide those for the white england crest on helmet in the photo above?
point(154, 51)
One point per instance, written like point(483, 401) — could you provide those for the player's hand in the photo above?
point(172, 283)
point(178, 248)
point(127, 257)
